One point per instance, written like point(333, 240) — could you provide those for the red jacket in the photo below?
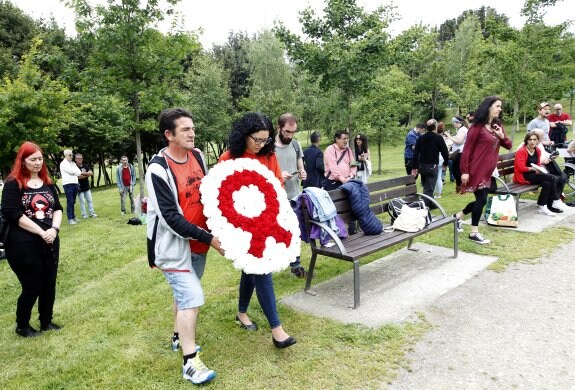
point(520, 165)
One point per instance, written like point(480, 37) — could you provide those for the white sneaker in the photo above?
point(545, 211)
point(558, 204)
point(72, 222)
point(196, 371)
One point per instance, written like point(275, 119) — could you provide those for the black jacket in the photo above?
point(314, 167)
point(427, 149)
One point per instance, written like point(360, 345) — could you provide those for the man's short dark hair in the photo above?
point(421, 126)
point(340, 133)
point(167, 119)
point(314, 137)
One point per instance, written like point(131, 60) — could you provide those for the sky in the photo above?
point(217, 18)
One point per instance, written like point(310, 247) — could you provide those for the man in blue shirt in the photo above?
point(410, 141)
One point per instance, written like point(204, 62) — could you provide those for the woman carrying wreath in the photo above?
point(31, 206)
point(252, 137)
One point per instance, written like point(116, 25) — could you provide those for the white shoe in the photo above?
point(558, 204)
point(196, 372)
point(545, 211)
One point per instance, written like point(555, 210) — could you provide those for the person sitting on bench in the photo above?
point(527, 170)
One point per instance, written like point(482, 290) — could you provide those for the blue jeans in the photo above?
point(264, 286)
point(86, 197)
point(71, 191)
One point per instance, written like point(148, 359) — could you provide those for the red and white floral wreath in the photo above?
point(248, 210)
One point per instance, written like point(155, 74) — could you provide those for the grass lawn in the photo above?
point(117, 318)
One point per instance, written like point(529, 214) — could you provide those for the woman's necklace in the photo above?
point(35, 182)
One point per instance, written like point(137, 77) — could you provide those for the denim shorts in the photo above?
point(188, 293)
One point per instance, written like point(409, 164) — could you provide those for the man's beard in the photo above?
point(284, 140)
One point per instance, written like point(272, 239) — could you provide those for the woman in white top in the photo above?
point(458, 141)
point(362, 156)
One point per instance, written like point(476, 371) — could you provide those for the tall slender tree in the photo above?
point(131, 57)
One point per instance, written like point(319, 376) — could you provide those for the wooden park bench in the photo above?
point(358, 245)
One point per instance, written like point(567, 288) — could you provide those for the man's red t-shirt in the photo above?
point(188, 177)
point(126, 176)
point(554, 118)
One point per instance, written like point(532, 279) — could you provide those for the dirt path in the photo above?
point(509, 330)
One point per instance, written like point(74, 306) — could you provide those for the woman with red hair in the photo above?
point(31, 206)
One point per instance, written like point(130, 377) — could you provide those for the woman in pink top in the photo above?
point(479, 160)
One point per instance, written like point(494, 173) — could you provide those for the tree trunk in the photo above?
point(136, 107)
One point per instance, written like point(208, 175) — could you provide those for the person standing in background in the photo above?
point(458, 141)
point(410, 141)
point(558, 121)
point(313, 163)
point(126, 179)
point(362, 156)
point(541, 122)
point(426, 156)
point(290, 158)
point(31, 206)
point(70, 173)
point(84, 194)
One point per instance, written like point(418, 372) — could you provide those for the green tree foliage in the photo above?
point(234, 57)
point(131, 57)
point(32, 108)
point(463, 64)
point(16, 32)
point(343, 49)
point(488, 18)
point(379, 111)
point(271, 77)
point(208, 96)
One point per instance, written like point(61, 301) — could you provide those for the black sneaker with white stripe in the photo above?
point(478, 238)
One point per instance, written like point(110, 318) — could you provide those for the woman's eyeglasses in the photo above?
point(261, 141)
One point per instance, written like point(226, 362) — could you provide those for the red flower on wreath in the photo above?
point(262, 226)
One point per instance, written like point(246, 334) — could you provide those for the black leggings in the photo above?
point(476, 207)
point(548, 185)
point(35, 263)
point(455, 169)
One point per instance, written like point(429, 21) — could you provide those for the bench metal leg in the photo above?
point(355, 284)
point(455, 240)
point(310, 271)
point(410, 242)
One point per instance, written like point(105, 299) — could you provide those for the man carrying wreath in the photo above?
point(178, 239)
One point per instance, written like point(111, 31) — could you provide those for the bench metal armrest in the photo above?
point(434, 202)
point(332, 234)
point(502, 182)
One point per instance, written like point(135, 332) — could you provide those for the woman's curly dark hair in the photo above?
point(250, 123)
point(482, 113)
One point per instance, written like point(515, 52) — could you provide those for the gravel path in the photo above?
point(509, 330)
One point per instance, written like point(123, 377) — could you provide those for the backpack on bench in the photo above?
point(396, 204)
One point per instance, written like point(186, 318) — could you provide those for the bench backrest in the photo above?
point(380, 193)
point(505, 166)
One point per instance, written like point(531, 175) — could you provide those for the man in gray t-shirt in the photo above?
point(290, 159)
point(541, 122)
